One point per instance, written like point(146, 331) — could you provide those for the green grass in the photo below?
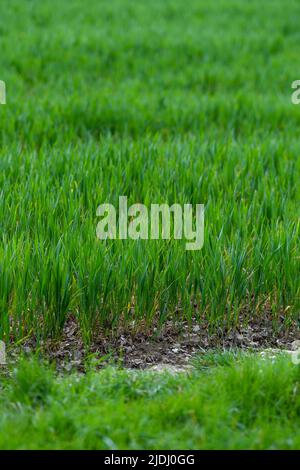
point(162, 101)
point(239, 402)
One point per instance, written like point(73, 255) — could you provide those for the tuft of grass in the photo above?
point(33, 383)
point(249, 403)
point(218, 358)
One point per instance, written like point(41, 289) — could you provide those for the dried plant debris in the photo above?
point(143, 347)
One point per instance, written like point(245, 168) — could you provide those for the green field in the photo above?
point(162, 101)
point(227, 402)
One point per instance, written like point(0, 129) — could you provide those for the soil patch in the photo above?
point(174, 344)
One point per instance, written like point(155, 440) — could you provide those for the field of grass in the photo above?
point(161, 101)
point(227, 402)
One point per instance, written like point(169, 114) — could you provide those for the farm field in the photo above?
point(164, 102)
point(182, 106)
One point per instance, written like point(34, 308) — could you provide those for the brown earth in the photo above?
point(174, 344)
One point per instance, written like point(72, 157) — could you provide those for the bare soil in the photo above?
point(173, 344)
